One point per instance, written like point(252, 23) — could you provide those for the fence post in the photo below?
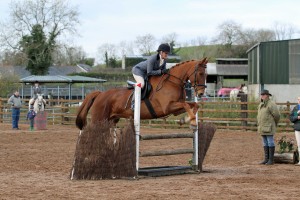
point(201, 111)
point(1, 111)
point(137, 116)
point(244, 106)
point(288, 108)
point(62, 114)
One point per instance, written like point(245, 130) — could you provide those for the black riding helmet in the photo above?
point(165, 47)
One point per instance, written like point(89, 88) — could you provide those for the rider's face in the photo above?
point(164, 55)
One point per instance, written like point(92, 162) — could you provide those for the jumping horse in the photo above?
point(166, 97)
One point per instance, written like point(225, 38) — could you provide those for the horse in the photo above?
point(224, 92)
point(38, 104)
point(166, 97)
point(236, 92)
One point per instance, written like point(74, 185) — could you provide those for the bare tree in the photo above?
point(228, 33)
point(56, 18)
point(145, 44)
point(284, 31)
point(69, 55)
point(107, 52)
point(249, 37)
point(125, 48)
point(171, 39)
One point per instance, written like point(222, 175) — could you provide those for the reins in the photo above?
point(195, 85)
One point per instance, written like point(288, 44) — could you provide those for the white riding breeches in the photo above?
point(139, 79)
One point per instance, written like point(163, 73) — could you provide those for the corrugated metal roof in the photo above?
point(61, 79)
point(232, 70)
point(53, 70)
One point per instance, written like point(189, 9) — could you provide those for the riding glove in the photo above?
point(164, 71)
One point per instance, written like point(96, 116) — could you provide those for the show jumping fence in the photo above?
point(170, 170)
point(223, 114)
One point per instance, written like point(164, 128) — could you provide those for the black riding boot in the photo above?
point(266, 151)
point(271, 156)
point(132, 103)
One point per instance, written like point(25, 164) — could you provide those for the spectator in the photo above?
point(267, 119)
point(30, 116)
point(16, 105)
point(295, 118)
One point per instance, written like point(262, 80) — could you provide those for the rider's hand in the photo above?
point(164, 71)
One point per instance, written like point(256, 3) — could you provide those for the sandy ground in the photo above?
point(36, 165)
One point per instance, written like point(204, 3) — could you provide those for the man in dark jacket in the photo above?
point(295, 118)
point(267, 119)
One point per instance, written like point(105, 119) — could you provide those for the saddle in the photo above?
point(145, 91)
point(144, 95)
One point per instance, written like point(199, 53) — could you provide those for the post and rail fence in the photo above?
point(224, 114)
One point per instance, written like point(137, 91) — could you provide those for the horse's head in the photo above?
point(40, 101)
point(244, 89)
point(198, 77)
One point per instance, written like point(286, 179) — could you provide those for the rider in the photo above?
point(155, 65)
point(36, 90)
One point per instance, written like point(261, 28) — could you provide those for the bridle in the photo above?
point(195, 76)
point(195, 84)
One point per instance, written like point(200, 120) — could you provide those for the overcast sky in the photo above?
point(113, 21)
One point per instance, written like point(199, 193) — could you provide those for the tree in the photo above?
point(171, 40)
point(145, 44)
point(8, 84)
point(51, 18)
point(38, 51)
point(107, 53)
point(229, 32)
point(284, 31)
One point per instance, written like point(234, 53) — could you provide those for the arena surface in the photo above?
point(36, 165)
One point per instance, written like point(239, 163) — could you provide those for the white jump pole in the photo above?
point(137, 116)
point(195, 156)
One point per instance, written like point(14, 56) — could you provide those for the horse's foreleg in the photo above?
point(191, 109)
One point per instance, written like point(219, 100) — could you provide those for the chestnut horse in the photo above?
point(167, 97)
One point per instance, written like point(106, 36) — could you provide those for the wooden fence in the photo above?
point(224, 114)
point(59, 111)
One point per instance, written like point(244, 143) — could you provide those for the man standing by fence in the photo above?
point(267, 119)
point(16, 105)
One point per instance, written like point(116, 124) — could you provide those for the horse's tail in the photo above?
point(84, 109)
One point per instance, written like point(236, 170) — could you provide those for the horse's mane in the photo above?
point(183, 62)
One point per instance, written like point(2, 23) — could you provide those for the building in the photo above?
point(275, 66)
point(57, 83)
point(226, 72)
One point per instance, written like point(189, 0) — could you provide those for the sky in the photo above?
point(114, 21)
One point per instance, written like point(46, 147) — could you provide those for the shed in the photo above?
point(274, 65)
point(59, 79)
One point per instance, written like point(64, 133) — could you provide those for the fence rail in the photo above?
point(225, 115)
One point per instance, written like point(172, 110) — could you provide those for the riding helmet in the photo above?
point(165, 47)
